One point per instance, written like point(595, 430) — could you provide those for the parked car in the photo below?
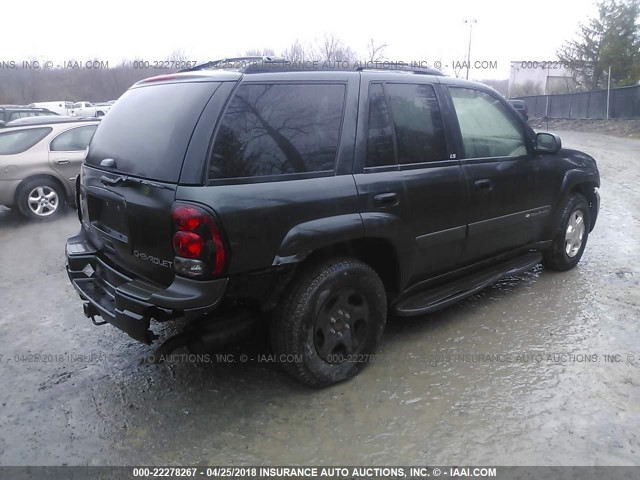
point(521, 107)
point(320, 199)
point(39, 164)
point(9, 113)
point(43, 119)
point(61, 107)
point(88, 109)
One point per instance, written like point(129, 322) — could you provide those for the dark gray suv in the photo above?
point(316, 200)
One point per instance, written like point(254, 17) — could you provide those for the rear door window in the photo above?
point(73, 140)
point(380, 147)
point(277, 129)
point(12, 143)
point(147, 131)
point(416, 116)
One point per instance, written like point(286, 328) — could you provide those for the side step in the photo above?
point(426, 301)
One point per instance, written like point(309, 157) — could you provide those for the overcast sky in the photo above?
point(114, 30)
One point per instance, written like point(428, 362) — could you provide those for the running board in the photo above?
point(426, 301)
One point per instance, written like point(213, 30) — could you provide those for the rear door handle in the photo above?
point(483, 184)
point(63, 162)
point(386, 199)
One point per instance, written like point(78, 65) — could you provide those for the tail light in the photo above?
point(78, 206)
point(197, 243)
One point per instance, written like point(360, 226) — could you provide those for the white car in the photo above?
point(61, 107)
point(88, 109)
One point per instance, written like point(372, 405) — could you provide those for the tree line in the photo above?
point(610, 39)
point(21, 86)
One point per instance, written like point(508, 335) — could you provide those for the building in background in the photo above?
point(528, 77)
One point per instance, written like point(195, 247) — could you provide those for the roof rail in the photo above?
point(235, 62)
point(403, 68)
point(281, 64)
point(48, 120)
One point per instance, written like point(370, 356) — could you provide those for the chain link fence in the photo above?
point(624, 102)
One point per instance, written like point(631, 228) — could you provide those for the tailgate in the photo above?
point(128, 181)
point(129, 222)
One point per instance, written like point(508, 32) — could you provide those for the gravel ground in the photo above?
point(517, 375)
point(618, 127)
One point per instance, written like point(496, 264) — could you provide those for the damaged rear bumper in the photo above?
point(131, 303)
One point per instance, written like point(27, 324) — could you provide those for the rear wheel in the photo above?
point(572, 232)
point(328, 325)
point(40, 198)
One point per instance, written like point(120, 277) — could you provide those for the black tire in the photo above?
point(343, 296)
point(560, 256)
point(28, 193)
point(99, 114)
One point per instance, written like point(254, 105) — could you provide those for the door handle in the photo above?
point(386, 199)
point(483, 184)
point(63, 162)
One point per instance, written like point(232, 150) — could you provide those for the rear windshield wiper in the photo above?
point(123, 180)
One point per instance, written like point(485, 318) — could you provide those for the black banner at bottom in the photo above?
point(318, 472)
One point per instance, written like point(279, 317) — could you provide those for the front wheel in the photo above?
point(571, 234)
point(329, 323)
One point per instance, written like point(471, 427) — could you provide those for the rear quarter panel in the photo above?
point(256, 218)
point(14, 169)
point(279, 220)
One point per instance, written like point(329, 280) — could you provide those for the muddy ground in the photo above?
point(531, 384)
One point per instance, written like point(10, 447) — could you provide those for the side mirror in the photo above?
point(548, 143)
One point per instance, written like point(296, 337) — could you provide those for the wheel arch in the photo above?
point(589, 191)
point(579, 181)
point(344, 235)
point(378, 253)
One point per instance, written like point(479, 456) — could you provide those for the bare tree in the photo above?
point(29, 84)
point(297, 52)
point(178, 55)
point(333, 49)
point(374, 51)
point(256, 52)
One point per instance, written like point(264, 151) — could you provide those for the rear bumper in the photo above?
point(131, 303)
point(595, 209)
point(8, 191)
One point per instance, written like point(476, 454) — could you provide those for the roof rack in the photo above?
point(235, 62)
point(403, 68)
point(22, 107)
point(281, 64)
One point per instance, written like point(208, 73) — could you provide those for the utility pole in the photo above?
point(608, 90)
point(469, 22)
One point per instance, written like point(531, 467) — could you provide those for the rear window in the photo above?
point(148, 130)
point(73, 140)
point(12, 143)
point(279, 129)
point(24, 114)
